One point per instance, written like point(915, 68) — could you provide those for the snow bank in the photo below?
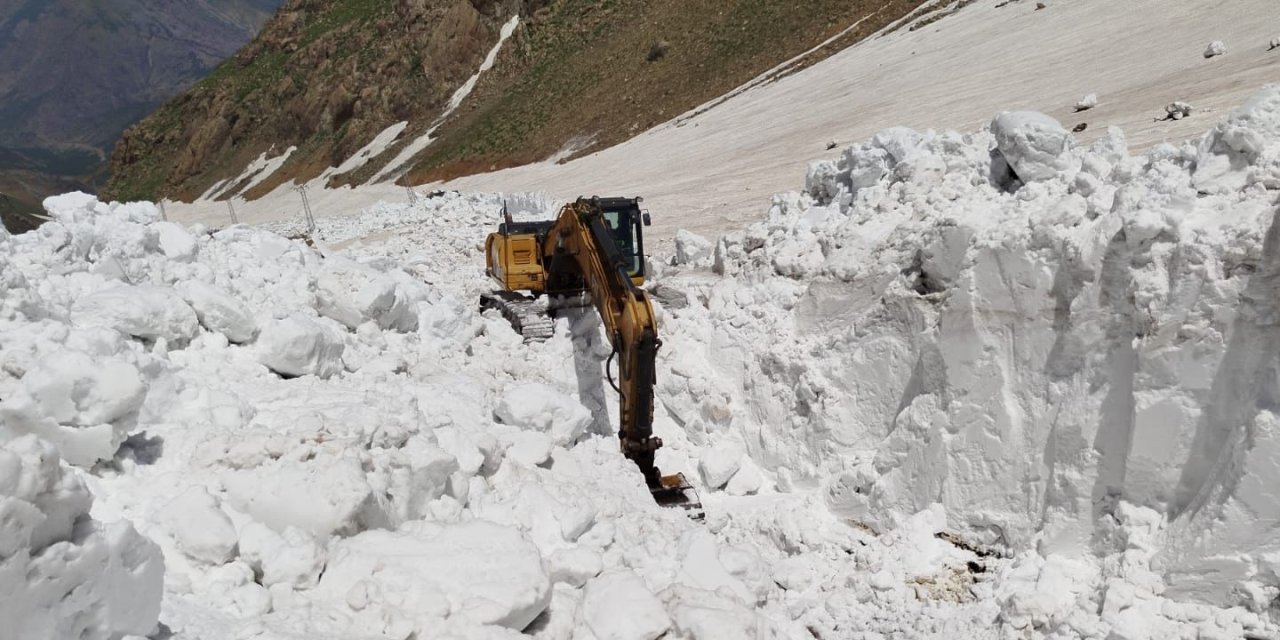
point(963, 385)
point(63, 574)
point(1244, 150)
point(1059, 360)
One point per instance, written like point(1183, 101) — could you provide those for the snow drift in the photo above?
point(1072, 350)
point(962, 385)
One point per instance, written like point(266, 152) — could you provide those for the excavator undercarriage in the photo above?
point(532, 317)
point(592, 255)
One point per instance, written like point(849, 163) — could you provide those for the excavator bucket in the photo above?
point(675, 491)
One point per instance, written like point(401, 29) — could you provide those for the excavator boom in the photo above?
point(595, 246)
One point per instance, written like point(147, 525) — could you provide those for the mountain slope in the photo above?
point(328, 76)
point(74, 74)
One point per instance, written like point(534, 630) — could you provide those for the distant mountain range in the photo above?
point(75, 73)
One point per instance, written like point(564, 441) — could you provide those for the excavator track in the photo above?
point(528, 316)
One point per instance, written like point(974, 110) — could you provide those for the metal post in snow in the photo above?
point(164, 215)
point(232, 210)
point(306, 208)
point(413, 195)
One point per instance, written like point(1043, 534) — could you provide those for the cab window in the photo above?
point(623, 227)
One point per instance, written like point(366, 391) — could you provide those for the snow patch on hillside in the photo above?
point(393, 169)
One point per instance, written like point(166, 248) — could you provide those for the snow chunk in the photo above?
point(477, 571)
point(691, 247)
point(325, 496)
point(291, 557)
point(145, 311)
point(82, 403)
point(353, 294)
point(1035, 145)
point(574, 566)
point(219, 311)
point(718, 464)
point(1245, 149)
point(618, 606)
point(299, 346)
point(1215, 48)
point(747, 480)
point(176, 242)
point(66, 575)
point(200, 528)
point(1088, 102)
point(543, 408)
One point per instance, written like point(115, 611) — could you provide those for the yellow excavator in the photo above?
point(594, 250)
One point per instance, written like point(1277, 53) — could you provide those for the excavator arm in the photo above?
point(582, 254)
point(595, 245)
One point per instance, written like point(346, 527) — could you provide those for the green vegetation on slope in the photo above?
point(327, 76)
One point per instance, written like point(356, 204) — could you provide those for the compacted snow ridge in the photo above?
point(996, 384)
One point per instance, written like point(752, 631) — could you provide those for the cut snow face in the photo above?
point(1074, 368)
point(962, 385)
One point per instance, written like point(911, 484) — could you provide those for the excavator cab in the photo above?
point(624, 221)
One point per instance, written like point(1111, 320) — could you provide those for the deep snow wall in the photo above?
point(1028, 332)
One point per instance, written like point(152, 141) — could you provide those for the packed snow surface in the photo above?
point(996, 384)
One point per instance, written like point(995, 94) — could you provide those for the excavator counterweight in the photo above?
point(593, 251)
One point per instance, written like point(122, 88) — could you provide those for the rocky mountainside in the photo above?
point(75, 73)
point(328, 76)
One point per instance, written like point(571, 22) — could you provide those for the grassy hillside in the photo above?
point(329, 75)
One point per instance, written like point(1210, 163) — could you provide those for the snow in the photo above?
point(618, 606)
point(219, 311)
point(258, 171)
point(477, 571)
point(691, 247)
point(145, 311)
point(299, 346)
point(1088, 102)
point(1033, 145)
point(199, 527)
point(998, 382)
point(1215, 48)
point(375, 147)
point(543, 408)
point(1242, 151)
point(63, 574)
point(81, 402)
